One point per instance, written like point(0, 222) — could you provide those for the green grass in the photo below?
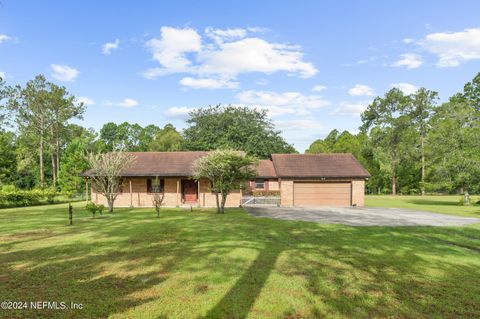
point(202, 265)
point(444, 204)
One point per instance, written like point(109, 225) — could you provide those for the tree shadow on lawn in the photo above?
point(349, 271)
point(432, 202)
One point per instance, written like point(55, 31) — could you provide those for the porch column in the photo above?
point(131, 194)
point(199, 198)
point(86, 189)
point(178, 192)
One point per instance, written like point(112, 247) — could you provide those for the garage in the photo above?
point(322, 194)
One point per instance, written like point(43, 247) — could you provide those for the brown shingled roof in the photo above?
point(318, 166)
point(265, 169)
point(161, 164)
point(281, 165)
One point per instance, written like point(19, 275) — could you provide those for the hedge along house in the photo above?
point(301, 180)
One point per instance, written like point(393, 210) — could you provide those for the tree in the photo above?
point(388, 116)
point(8, 160)
point(167, 139)
point(33, 116)
point(158, 197)
point(471, 92)
point(455, 144)
point(107, 173)
point(240, 128)
point(74, 161)
point(227, 170)
point(420, 111)
point(63, 108)
point(127, 136)
point(147, 135)
point(6, 92)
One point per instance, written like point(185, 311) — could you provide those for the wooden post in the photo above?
point(198, 194)
point(70, 214)
point(131, 194)
point(178, 192)
point(86, 189)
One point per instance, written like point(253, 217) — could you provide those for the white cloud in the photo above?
point(85, 100)
point(298, 125)
point(205, 83)
point(454, 48)
point(64, 72)
point(179, 112)
point(282, 103)
point(3, 75)
point(351, 108)
point(223, 54)
point(406, 88)
point(170, 50)
point(220, 36)
point(127, 102)
point(319, 88)
point(408, 40)
point(4, 38)
point(108, 47)
point(409, 61)
point(361, 90)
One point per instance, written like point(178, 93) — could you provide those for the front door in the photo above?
point(189, 191)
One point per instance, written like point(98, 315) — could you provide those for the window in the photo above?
point(259, 184)
point(155, 185)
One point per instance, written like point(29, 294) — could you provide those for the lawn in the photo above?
point(444, 204)
point(199, 264)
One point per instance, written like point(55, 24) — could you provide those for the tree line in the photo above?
point(412, 144)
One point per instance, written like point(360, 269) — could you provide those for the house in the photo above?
point(301, 179)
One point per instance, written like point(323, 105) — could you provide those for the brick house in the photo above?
point(301, 180)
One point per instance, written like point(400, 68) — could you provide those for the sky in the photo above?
point(312, 65)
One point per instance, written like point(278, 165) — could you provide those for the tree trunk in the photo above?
point(394, 178)
point(423, 165)
point(42, 176)
point(218, 202)
point(466, 198)
point(110, 204)
point(57, 158)
point(54, 170)
point(224, 199)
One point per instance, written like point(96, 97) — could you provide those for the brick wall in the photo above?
point(358, 193)
point(286, 193)
point(140, 198)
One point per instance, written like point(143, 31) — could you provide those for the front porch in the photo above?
point(178, 191)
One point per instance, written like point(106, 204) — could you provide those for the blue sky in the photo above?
point(314, 65)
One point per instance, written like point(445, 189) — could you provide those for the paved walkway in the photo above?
point(363, 216)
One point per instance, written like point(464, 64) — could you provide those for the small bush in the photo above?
point(466, 200)
point(94, 208)
point(259, 193)
point(10, 197)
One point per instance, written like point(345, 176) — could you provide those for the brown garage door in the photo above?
point(322, 194)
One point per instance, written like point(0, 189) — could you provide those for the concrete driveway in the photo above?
point(362, 216)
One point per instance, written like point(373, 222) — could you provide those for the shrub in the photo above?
point(260, 193)
point(93, 208)
point(465, 200)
